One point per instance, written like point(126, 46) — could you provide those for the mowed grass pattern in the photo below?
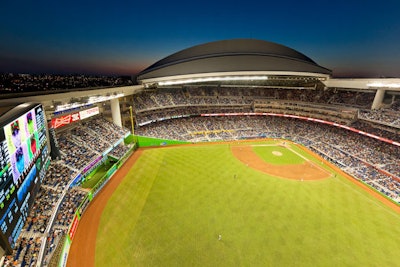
point(175, 202)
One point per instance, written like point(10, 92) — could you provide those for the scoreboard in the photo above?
point(24, 160)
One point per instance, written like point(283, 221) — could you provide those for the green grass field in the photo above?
point(99, 173)
point(175, 201)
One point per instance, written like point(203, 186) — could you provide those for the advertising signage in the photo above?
point(73, 117)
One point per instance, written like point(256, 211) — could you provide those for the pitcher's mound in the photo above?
point(277, 153)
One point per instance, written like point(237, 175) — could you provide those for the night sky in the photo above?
point(353, 38)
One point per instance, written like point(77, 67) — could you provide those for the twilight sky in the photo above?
point(353, 38)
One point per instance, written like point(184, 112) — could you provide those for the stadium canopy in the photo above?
point(228, 60)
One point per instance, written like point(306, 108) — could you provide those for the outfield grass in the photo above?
point(175, 202)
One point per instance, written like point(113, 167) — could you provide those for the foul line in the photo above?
point(378, 203)
point(309, 161)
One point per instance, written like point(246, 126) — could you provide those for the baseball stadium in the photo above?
point(237, 152)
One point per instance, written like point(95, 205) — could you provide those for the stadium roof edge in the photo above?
point(236, 55)
point(190, 78)
point(47, 99)
point(392, 84)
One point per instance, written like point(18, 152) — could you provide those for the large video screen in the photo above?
point(24, 159)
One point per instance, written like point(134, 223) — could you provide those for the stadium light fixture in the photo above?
point(214, 79)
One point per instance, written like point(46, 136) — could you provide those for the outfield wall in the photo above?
point(144, 141)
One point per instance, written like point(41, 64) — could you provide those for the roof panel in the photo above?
point(232, 55)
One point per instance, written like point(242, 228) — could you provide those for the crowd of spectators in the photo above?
point(87, 141)
point(395, 106)
point(54, 245)
point(58, 175)
point(77, 153)
point(359, 155)
point(162, 114)
point(377, 129)
point(68, 206)
point(56, 197)
point(25, 253)
point(153, 105)
point(28, 244)
point(381, 116)
point(119, 151)
point(349, 107)
point(164, 98)
point(95, 141)
point(41, 210)
point(375, 177)
point(63, 220)
point(104, 130)
point(20, 83)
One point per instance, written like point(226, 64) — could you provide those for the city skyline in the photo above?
point(125, 37)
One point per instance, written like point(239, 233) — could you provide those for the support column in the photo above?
point(116, 112)
point(380, 93)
